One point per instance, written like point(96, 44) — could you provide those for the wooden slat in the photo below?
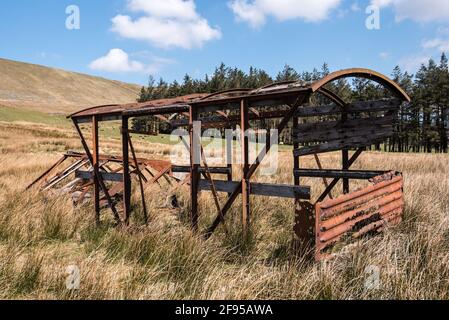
point(343, 133)
point(260, 189)
point(349, 174)
point(307, 128)
point(354, 142)
point(314, 111)
point(107, 176)
point(213, 170)
point(356, 107)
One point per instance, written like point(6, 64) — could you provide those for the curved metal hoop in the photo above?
point(366, 74)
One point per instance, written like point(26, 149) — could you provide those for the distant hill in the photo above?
point(52, 90)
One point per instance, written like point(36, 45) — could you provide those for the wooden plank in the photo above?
point(348, 124)
point(356, 107)
point(354, 142)
point(213, 170)
point(331, 173)
point(314, 111)
point(260, 189)
point(342, 133)
point(107, 176)
point(100, 118)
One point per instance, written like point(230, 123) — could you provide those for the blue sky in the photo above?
point(129, 39)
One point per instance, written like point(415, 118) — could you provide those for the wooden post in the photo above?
point(345, 154)
point(195, 141)
point(296, 146)
point(345, 159)
point(244, 126)
point(229, 157)
point(126, 174)
point(95, 164)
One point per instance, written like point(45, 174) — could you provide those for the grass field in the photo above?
point(50, 90)
point(41, 236)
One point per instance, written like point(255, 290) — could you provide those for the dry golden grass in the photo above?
point(40, 236)
point(35, 87)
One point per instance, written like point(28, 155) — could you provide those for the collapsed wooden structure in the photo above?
point(338, 126)
point(73, 174)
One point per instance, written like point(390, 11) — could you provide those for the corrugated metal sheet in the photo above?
point(359, 213)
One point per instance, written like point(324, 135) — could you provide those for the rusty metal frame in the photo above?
point(286, 101)
point(97, 177)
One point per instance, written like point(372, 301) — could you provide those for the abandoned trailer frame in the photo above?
point(358, 125)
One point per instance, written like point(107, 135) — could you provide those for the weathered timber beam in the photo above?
point(260, 189)
point(107, 176)
point(350, 174)
point(342, 133)
point(314, 111)
point(355, 107)
point(213, 170)
point(354, 142)
point(100, 118)
point(348, 124)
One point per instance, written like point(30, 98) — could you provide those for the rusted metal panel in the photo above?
point(304, 227)
point(118, 109)
point(359, 213)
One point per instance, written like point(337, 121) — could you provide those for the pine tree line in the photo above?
point(422, 125)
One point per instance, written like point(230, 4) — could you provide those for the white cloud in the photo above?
point(384, 55)
point(438, 43)
point(117, 60)
point(355, 7)
point(255, 12)
point(412, 63)
point(430, 48)
point(165, 8)
point(166, 24)
point(418, 10)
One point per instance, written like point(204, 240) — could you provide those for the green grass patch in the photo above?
point(10, 114)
